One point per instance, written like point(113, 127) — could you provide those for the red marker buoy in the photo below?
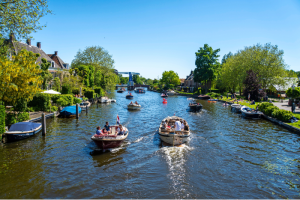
point(165, 101)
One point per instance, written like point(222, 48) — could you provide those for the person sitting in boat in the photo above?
point(120, 130)
point(104, 131)
point(107, 127)
point(186, 127)
point(136, 103)
point(182, 125)
point(131, 103)
point(177, 125)
point(98, 131)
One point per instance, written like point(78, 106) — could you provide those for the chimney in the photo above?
point(12, 37)
point(28, 41)
point(55, 52)
point(38, 44)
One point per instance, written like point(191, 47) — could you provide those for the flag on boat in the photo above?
point(118, 119)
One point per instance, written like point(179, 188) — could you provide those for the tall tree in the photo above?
point(21, 17)
point(136, 79)
point(252, 86)
point(46, 75)
point(19, 77)
point(170, 78)
point(207, 65)
point(225, 57)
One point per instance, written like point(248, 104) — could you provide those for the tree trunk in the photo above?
point(205, 87)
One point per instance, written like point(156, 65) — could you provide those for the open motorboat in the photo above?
point(194, 106)
point(133, 106)
point(139, 90)
point(129, 96)
point(69, 111)
point(164, 95)
point(236, 108)
point(113, 100)
point(104, 100)
point(121, 90)
point(171, 136)
point(250, 113)
point(171, 93)
point(85, 104)
point(112, 140)
point(201, 96)
point(21, 130)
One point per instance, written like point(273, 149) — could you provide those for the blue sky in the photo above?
point(150, 37)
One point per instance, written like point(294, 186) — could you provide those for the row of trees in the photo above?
point(265, 62)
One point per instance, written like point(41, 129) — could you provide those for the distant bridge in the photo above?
point(132, 87)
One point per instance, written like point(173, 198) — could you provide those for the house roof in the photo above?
point(18, 46)
point(182, 80)
point(60, 63)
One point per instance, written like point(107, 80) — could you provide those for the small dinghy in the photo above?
point(129, 96)
point(133, 106)
point(194, 106)
point(236, 108)
point(140, 90)
point(171, 93)
point(20, 131)
point(85, 104)
point(112, 140)
point(168, 133)
point(201, 96)
point(164, 95)
point(113, 100)
point(121, 90)
point(69, 111)
point(250, 113)
point(104, 100)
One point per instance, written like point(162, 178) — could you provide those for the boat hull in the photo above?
point(252, 115)
point(129, 97)
point(173, 139)
point(108, 144)
point(11, 137)
point(195, 108)
point(129, 107)
point(120, 91)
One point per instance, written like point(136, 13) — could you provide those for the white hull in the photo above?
point(105, 100)
point(134, 107)
point(169, 139)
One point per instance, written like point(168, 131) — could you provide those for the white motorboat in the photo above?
point(250, 113)
point(134, 106)
point(84, 104)
point(139, 90)
point(105, 100)
point(236, 108)
point(169, 135)
point(113, 100)
point(171, 93)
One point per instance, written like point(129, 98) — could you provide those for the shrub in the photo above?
point(66, 89)
point(76, 100)
point(65, 100)
point(2, 119)
point(269, 110)
point(12, 118)
point(54, 97)
point(75, 90)
point(30, 109)
point(99, 91)
point(54, 108)
point(215, 90)
point(85, 99)
point(22, 116)
point(262, 107)
point(21, 105)
point(90, 94)
point(282, 115)
point(40, 101)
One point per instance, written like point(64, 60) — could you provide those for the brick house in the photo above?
point(189, 84)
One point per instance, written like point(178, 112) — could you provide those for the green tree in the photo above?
point(136, 79)
point(56, 84)
point(22, 17)
point(170, 77)
point(207, 65)
point(46, 75)
point(293, 93)
point(225, 57)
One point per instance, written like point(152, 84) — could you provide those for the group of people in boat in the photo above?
point(107, 130)
point(136, 103)
point(179, 125)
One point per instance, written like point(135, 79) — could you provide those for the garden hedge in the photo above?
point(273, 111)
point(99, 91)
point(2, 119)
point(90, 94)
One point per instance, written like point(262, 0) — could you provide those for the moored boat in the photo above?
point(171, 93)
point(203, 97)
point(171, 136)
point(250, 113)
point(164, 95)
point(69, 111)
point(104, 100)
point(21, 130)
point(85, 104)
point(236, 108)
point(112, 140)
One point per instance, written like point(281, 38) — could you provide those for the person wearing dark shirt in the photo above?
point(107, 126)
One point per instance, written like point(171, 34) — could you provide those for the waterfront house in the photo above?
point(189, 84)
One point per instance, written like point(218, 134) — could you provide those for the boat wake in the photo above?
point(176, 158)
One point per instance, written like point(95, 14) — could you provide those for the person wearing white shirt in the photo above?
point(182, 126)
point(177, 126)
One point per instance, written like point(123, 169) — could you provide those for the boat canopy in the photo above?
point(24, 126)
point(71, 109)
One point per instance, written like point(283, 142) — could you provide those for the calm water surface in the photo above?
point(226, 157)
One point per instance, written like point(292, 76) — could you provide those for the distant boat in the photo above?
point(129, 96)
point(164, 95)
point(194, 106)
point(121, 90)
point(133, 106)
point(104, 100)
point(85, 104)
point(250, 113)
point(70, 111)
point(112, 140)
point(203, 97)
point(140, 90)
point(20, 131)
point(236, 108)
point(171, 93)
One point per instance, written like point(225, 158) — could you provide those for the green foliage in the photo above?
point(269, 110)
point(293, 93)
point(85, 99)
point(90, 94)
point(170, 78)
point(262, 107)
point(12, 117)
point(56, 84)
point(46, 75)
point(75, 90)
point(282, 115)
point(54, 108)
point(40, 101)
point(136, 79)
point(2, 119)
point(86, 72)
point(22, 17)
point(76, 100)
point(65, 100)
point(66, 89)
point(99, 91)
point(21, 105)
point(207, 65)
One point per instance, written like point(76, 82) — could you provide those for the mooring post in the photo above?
point(77, 112)
point(43, 124)
point(86, 108)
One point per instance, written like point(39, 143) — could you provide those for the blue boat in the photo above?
point(20, 131)
point(69, 111)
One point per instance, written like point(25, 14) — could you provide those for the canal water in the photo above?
point(226, 157)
